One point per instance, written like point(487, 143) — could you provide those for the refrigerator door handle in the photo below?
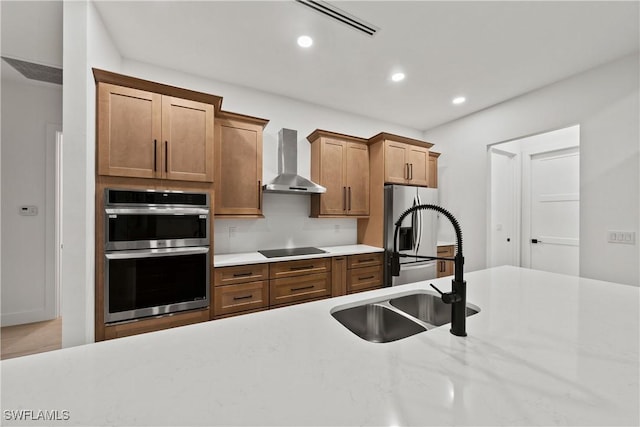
point(406, 267)
point(420, 213)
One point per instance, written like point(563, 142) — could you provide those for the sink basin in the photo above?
point(377, 323)
point(396, 317)
point(426, 307)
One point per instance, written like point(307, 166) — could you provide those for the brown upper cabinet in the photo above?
point(146, 131)
point(238, 154)
point(340, 163)
point(433, 169)
point(405, 163)
point(147, 135)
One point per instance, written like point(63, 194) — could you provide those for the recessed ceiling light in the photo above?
point(305, 41)
point(459, 100)
point(397, 77)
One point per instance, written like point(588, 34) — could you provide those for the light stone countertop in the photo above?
point(545, 349)
point(227, 260)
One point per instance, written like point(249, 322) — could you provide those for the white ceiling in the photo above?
point(487, 51)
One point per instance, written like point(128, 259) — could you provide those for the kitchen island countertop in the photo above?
point(545, 349)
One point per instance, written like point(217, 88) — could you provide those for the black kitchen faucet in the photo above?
point(458, 295)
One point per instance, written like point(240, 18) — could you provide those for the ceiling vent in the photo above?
point(340, 16)
point(34, 71)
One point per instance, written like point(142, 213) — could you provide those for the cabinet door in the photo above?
point(395, 165)
point(357, 179)
point(418, 159)
point(187, 133)
point(433, 171)
point(338, 276)
point(238, 154)
point(332, 176)
point(129, 132)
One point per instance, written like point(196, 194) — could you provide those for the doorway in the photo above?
point(533, 202)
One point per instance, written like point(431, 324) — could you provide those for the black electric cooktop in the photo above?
point(275, 253)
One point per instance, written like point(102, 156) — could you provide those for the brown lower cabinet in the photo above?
point(240, 297)
point(364, 272)
point(445, 268)
point(244, 289)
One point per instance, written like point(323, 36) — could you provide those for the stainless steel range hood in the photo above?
point(288, 181)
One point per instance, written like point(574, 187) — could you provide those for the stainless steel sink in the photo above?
point(427, 307)
point(376, 323)
point(396, 317)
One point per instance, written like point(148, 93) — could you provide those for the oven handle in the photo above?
point(157, 211)
point(150, 253)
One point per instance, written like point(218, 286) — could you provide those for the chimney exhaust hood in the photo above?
point(288, 181)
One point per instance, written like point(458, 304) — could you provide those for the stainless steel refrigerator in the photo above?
point(417, 234)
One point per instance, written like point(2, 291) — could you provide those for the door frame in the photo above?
point(526, 199)
point(515, 202)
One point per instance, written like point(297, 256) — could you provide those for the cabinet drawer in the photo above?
point(364, 278)
point(300, 288)
point(245, 296)
point(295, 268)
point(445, 251)
point(240, 274)
point(364, 260)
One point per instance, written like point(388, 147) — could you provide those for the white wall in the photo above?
point(604, 102)
point(86, 44)
point(286, 221)
point(27, 175)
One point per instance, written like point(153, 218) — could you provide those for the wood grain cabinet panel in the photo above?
point(418, 159)
point(445, 268)
point(240, 274)
point(187, 131)
point(338, 276)
point(340, 163)
point(365, 260)
point(333, 176)
point(155, 324)
point(357, 179)
point(364, 272)
point(129, 132)
point(364, 278)
point(433, 169)
point(299, 288)
point(238, 154)
point(284, 269)
point(241, 297)
point(143, 134)
point(396, 167)
point(406, 164)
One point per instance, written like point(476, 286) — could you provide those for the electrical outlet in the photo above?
point(625, 237)
point(336, 228)
point(28, 210)
point(232, 231)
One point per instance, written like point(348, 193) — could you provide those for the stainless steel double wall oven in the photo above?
point(157, 255)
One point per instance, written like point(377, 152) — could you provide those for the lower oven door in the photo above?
point(150, 282)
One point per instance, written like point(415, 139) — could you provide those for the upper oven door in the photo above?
point(148, 228)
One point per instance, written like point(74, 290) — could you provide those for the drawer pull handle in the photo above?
point(302, 288)
point(306, 267)
point(243, 297)
point(366, 277)
point(366, 260)
point(243, 274)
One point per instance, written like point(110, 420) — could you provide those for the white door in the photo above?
point(555, 211)
point(503, 237)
